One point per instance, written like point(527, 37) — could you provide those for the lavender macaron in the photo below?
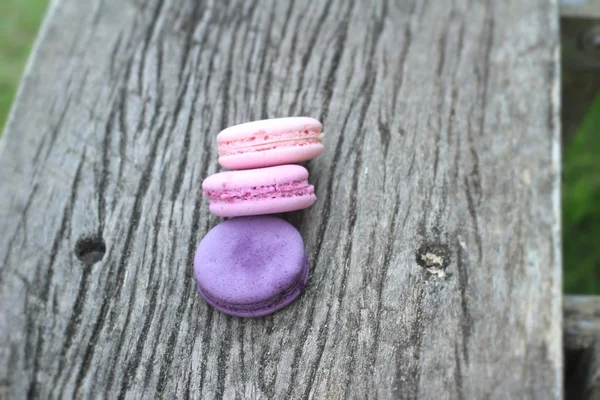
point(251, 266)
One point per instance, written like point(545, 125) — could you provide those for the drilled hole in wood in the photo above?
point(90, 249)
point(434, 257)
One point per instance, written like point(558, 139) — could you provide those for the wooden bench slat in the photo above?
point(442, 133)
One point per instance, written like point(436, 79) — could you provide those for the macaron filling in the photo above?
point(265, 305)
point(288, 189)
point(263, 142)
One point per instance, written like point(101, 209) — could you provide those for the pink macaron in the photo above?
point(270, 142)
point(268, 190)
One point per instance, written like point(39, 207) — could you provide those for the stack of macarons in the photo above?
point(254, 264)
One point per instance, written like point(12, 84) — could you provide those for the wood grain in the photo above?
point(442, 135)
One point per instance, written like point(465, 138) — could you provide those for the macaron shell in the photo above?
point(256, 177)
point(276, 305)
point(262, 206)
point(271, 126)
point(251, 265)
point(277, 156)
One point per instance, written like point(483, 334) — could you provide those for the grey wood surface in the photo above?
point(582, 346)
point(442, 129)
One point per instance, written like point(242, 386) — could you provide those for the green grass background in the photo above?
point(581, 206)
point(20, 21)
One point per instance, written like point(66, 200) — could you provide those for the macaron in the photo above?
point(259, 191)
point(251, 266)
point(270, 142)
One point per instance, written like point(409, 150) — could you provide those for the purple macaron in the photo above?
point(251, 266)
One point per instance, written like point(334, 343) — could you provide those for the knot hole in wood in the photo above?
point(90, 249)
point(434, 257)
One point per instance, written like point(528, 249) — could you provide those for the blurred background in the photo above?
point(19, 23)
point(580, 37)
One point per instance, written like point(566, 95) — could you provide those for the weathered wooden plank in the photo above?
point(582, 340)
point(442, 131)
point(580, 8)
